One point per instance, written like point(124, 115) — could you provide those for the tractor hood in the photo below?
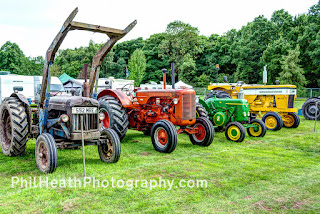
point(64, 102)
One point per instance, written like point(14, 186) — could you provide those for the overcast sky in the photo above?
point(33, 24)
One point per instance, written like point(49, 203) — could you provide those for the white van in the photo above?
point(56, 87)
point(15, 83)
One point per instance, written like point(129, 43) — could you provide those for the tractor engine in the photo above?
point(175, 105)
point(69, 109)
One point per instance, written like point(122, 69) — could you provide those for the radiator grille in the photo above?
point(188, 106)
point(290, 101)
point(90, 122)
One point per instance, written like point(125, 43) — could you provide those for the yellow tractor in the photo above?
point(274, 103)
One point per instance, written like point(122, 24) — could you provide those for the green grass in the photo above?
point(277, 173)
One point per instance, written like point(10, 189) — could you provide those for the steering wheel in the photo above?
point(128, 89)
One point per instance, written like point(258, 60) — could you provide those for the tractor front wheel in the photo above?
point(110, 150)
point(258, 131)
point(235, 132)
point(291, 120)
point(201, 111)
point(164, 136)
point(205, 134)
point(46, 153)
point(273, 121)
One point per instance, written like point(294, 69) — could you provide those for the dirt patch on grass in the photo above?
point(146, 153)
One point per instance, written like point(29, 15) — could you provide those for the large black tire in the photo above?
point(201, 111)
point(291, 120)
point(218, 94)
point(116, 117)
point(110, 151)
point(206, 132)
point(260, 131)
point(309, 109)
point(46, 153)
point(235, 132)
point(164, 136)
point(14, 127)
point(273, 121)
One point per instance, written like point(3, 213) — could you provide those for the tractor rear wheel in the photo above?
point(218, 94)
point(201, 111)
point(273, 121)
point(164, 136)
point(291, 120)
point(46, 153)
point(310, 109)
point(116, 117)
point(14, 127)
point(235, 132)
point(109, 151)
point(205, 134)
point(258, 131)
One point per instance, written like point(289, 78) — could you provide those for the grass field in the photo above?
point(277, 173)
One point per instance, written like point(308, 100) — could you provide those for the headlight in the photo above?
point(245, 114)
point(101, 116)
point(248, 113)
point(175, 101)
point(64, 118)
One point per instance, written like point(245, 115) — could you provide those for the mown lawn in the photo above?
point(277, 173)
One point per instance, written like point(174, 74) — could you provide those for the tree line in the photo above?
point(288, 45)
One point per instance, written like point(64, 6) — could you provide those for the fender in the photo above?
point(124, 99)
point(23, 99)
point(204, 104)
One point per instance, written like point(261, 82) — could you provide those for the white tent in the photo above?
point(180, 84)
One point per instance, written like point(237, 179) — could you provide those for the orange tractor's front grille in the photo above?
point(188, 106)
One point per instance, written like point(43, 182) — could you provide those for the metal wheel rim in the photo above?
point(7, 132)
point(255, 133)
point(311, 110)
point(234, 133)
point(288, 120)
point(43, 155)
point(200, 136)
point(107, 149)
point(271, 122)
point(161, 137)
point(106, 121)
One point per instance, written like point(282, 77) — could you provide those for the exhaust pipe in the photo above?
point(164, 71)
point(85, 84)
point(172, 75)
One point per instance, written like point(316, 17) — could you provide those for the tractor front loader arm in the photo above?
point(114, 36)
point(69, 24)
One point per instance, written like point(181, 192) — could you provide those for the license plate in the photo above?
point(84, 110)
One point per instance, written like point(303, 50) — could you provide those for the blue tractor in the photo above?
point(61, 121)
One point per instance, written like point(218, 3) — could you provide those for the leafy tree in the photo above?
point(188, 69)
point(272, 57)
point(292, 73)
point(137, 66)
point(181, 39)
point(12, 58)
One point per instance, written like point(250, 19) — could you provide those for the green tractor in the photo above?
point(231, 115)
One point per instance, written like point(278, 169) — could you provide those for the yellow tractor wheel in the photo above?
point(259, 130)
point(291, 120)
point(273, 121)
point(235, 132)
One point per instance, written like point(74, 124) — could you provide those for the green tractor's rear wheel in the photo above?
point(218, 94)
point(235, 132)
point(259, 130)
point(201, 111)
point(291, 120)
point(205, 134)
point(273, 121)
point(110, 150)
point(164, 136)
point(46, 153)
point(14, 127)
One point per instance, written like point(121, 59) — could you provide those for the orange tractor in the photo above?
point(156, 113)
